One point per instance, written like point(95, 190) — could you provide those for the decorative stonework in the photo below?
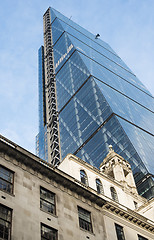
point(130, 216)
point(74, 188)
point(119, 169)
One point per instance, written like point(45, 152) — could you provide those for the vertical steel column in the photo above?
point(51, 101)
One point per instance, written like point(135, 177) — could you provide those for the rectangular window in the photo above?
point(48, 233)
point(5, 223)
point(120, 232)
point(6, 179)
point(141, 238)
point(84, 219)
point(47, 201)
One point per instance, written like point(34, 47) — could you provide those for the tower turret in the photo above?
point(118, 168)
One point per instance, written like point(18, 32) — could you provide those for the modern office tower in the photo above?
point(91, 100)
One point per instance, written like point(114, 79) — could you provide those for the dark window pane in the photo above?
point(83, 177)
point(114, 194)
point(6, 179)
point(84, 219)
point(48, 233)
point(120, 233)
point(99, 186)
point(47, 201)
point(5, 223)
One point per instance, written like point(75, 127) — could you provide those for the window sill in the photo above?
point(87, 231)
point(51, 214)
point(11, 194)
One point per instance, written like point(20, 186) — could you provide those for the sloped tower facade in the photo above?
point(92, 100)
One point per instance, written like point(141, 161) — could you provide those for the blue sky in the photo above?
point(127, 25)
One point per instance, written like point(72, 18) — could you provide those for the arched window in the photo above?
point(99, 186)
point(83, 177)
point(114, 194)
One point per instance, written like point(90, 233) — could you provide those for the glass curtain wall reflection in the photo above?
point(99, 101)
point(41, 138)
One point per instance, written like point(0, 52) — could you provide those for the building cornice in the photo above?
point(44, 170)
point(19, 156)
point(146, 205)
point(130, 216)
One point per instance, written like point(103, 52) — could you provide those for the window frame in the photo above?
point(48, 203)
point(84, 224)
point(114, 194)
point(83, 175)
point(7, 221)
point(49, 228)
point(99, 186)
point(5, 182)
point(117, 227)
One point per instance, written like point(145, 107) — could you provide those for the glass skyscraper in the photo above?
point(89, 99)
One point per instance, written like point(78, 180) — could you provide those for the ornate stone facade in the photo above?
point(54, 203)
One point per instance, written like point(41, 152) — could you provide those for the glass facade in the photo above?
point(99, 101)
point(41, 138)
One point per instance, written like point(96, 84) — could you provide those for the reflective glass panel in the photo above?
point(62, 51)
point(57, 30)
point(82, 30)
point(127, 108)
point(70, 77)
point(101, 58)
point(110, 134)
point(110, 77)
point(83, 38)
point(41, 137)
point(52, 14)
point(82, 116)
point(143, 143)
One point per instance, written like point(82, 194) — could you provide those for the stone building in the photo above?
point(73, 201)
